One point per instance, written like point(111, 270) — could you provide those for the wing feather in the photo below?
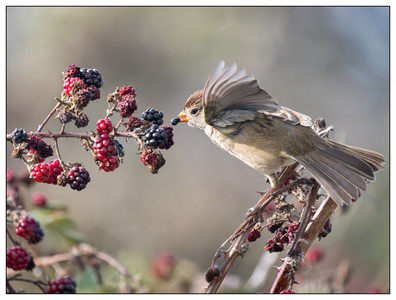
point(233, 96)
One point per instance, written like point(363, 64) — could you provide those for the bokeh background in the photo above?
point(330, 62)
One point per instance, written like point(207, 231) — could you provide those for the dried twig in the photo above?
point(291, 263)
point(238, 239)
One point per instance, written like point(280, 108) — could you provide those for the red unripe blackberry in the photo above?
point(78, 178)
point(127, 90)
point(34, 157)
point(104, 146)
point(62, 285)
point(29, 229)
point(254, 235)
point(104, 126)
point(55, 170)
point(149, 157)
point(287, 292)
point(39, 199)
point(18, 258)
point(127, 106)
point(68, 84)
point(109, 164)
point(41, 172)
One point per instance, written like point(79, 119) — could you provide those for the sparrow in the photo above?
point(245, 121)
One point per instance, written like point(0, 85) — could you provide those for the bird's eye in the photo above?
point(194, 111)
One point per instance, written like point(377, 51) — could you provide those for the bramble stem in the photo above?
point(49, 116)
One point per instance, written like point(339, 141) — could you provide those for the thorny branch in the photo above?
point(305, 236)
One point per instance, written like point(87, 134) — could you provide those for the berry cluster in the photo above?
point(39, 199)
point(158, 137)
point(254, 233)
point(19, 135)
point(19, 259)
point(47, 172)
point(40, 147)
point(81, 86)
point(78, 178)
point(283, 235)
point(106, 147)
point(212, 273)
point(62, 285)
point(154, 116)
point(30, 229)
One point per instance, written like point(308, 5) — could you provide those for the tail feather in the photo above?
point(342, 169)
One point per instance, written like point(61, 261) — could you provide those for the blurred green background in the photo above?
point(330, 62)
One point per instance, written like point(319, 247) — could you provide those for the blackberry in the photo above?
point(33, 157)
point(62, 285)
point(41, 172)
point(133, 123)
point(65, 117)
point(91, 77)
point(81, 121)
point(169, 138)
point(78, 178)
point(175, 121)
point(55, 170)
point(72, 71)
point(19, 135)
point(38, 145)
point(212, 273)
point(153, 115)
point(109, 164)
point(95, 92)
point(82, 97)
point(19, 259)
point(127, 106)
point(127, 90)
point(29, 229)
point(72, 82)
point(104, 146)
point(119, 148)
point(155, 136)
point(39, 199)
point(149, 157)
point(104, 126)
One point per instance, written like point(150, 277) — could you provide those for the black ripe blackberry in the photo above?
point(81, 121)
point(169, 138)
point(65, 117)
point(119, 148)
point(91, 77)
point(19, 135)
point(155, 136)
point(153, 115)
point(78, 178)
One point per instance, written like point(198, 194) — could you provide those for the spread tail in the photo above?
point(342, 170)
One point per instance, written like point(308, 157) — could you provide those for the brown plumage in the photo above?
point(244, 120)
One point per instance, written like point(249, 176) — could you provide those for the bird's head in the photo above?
point(193, 111)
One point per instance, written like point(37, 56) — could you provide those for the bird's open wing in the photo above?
point(232, 96)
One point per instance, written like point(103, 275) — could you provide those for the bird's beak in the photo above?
point(183, 117)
